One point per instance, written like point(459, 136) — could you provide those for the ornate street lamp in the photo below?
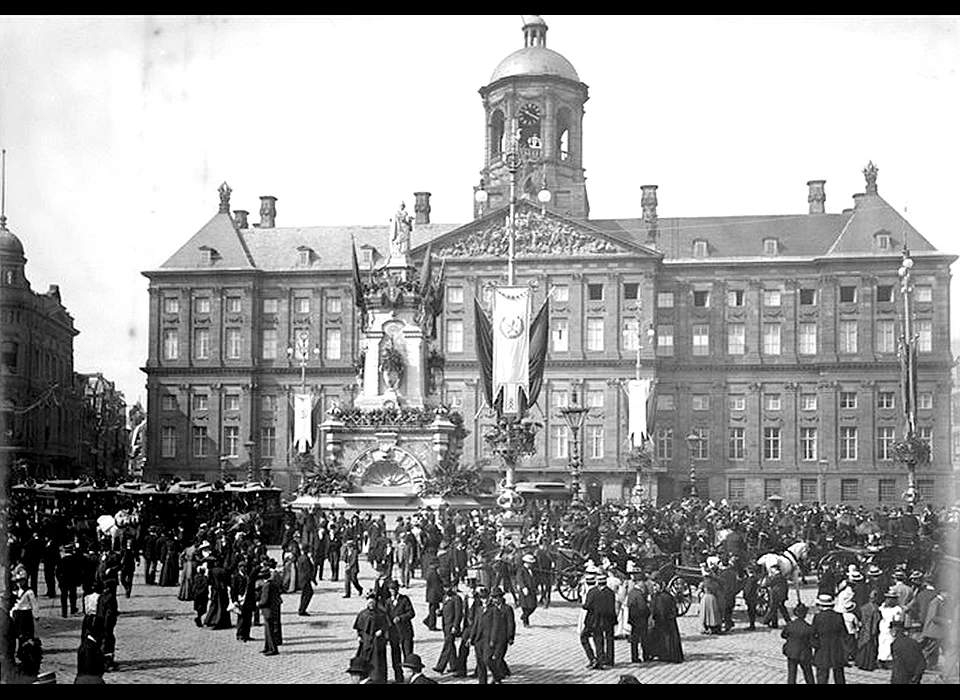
point(250, 444)
point(693, 442)
point(574, 415)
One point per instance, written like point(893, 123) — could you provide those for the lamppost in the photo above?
point(301, 350)
point(250, 444)
point(693, 442)
point(637, 453)
point(824, 463)
point(910, 451)
point(574, 415)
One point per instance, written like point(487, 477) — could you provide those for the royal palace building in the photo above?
point(772, 340)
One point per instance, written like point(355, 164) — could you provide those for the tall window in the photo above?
point(664, 300)
point(771, 444)
point(736, 338)
point(887, 490)
point(736, 444)
point(171, 305)
point(925, 433)
point(735, 297)
point(701, 448)
point(925, 333)
point(848, 444)
point(171, 344)
point(701, 339)
point(885, 337)
point(234, 343)
point(885, 440)
point(168, 402)
point(631, 341)
point(199, 402)
point(700, 249)
point(848, 399)
point(595, 334)
point(665, 340)
point(331, 343)
point(807, 339)
point(808, 444)
point(665, 444)
point(924, 400)
point(301, 305)
point(848, 337)
point(268, 442)
point(231, 402)
point(231, 440)
point(849, 489)
point(771, 297)
point(268, 403)
point(559, 398)
point(455, 295)
point(234, 305)
point(595, 438)
point(736, 489)
point(886, 399)
point(595, 292)
point(560, 440)
point(771, 338)
point(454, 335)
point(199, 441)
point(559, 335)
point(202, 305)
point(201, 343)
point(269, 344)
point(168, 442)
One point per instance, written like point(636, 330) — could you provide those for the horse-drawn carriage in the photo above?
point(915, 555)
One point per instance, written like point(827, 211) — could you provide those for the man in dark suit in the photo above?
point(68, 577)
point(544, 571)
point(373, 630)
point(413, 671)
point(830, 632)
point(502, 633)
point(908, 661)
point(399, 609)
point(779, 589)
point(321, 548)
point(305, 575)
point(351, 567)
point(480, 632)
point(638, 615)
point(268, 612)
point(434, 595)
point(51, 557)
point(335, 535)
point(606, 612)
point(471, 606)
point(590, 632)
point(528, 588)
point(149, 549)
point(799, 646)
point(451, 615)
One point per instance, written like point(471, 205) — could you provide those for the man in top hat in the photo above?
point(451, 616)
point(589, 634)
point(480, 633)
point(829, 636)
point(471, 608)
point(908, 660)
point(400, 612)
point(502, 632)
point(528, 588)
point(413, 671)
point(269, 610)
point(638, 615)
point(606, 609)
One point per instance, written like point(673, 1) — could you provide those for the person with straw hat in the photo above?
point(829, 634)
point(890, 612)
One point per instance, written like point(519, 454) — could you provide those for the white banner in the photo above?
point(637, 391)
point(302, 430)
point(511, 345)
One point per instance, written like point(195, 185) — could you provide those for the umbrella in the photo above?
point(106, 524)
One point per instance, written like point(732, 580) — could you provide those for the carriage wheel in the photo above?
point(763, 601)
point(681, 592)
point(568, 586)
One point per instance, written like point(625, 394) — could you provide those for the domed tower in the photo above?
point(12, 260)
point(534, 107)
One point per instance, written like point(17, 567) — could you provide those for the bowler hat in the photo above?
point(413, 661)
point(874, 570)
point(855, 576)
point(824, 600)
point(916, 576)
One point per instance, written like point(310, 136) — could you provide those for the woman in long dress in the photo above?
point(868, 638)
point(889, 611)
point(218, 616)
point(663, 610)
point(169, 561)
point(711, 614)
point(289, 573)
point(188, 564)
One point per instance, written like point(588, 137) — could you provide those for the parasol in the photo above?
point(106, 524)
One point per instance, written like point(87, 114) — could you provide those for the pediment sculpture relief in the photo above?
point(536, 235)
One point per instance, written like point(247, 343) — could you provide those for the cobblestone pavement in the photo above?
point(157, 642)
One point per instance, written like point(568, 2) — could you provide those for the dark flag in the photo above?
point(652, 409)
point(484, 351)
point(426, 272)
point(539, 336)
point(357, 284)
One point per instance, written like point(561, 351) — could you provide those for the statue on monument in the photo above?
point(402, 228)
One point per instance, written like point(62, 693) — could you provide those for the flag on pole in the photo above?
point(484, 351)
point(426, 272)
point(357, 284)
point(637, 392)
point(302, 413)
point(539, 335)
point(511, 346)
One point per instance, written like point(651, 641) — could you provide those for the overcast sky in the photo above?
point(118, 130)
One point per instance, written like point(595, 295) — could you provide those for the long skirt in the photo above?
point(867, 655)
point(711, 616)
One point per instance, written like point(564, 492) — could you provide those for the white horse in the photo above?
point(787, 562)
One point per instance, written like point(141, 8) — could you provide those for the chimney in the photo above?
point(422, 208)
point(817, 196)
point(648, 202)
point(268, 212)
point(240, 218)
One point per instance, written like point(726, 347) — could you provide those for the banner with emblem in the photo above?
point(511, 345)
point(302, 413)
point(637, 392)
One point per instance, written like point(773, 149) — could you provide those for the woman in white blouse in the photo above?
point(24, 611)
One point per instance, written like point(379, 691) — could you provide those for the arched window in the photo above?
point(496, 134)
point(563, 133)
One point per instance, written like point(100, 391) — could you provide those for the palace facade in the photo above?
point(773, 340)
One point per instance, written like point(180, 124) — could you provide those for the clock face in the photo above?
point(529, 114)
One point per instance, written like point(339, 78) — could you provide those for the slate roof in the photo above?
point(871, 215)
point(221, 234)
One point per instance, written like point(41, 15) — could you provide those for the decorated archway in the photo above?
point(392, 468)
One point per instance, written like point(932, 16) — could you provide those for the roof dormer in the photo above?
point(700, 248)
point(882, 241)
point(208, 255)
point(306, 256)
point(771, 246)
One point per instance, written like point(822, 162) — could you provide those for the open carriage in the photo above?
point(916, 555)
point(681, 581)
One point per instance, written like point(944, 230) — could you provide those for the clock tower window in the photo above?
point(563, 133)
point(496, 134)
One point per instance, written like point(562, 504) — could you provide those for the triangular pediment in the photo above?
point(538, 234)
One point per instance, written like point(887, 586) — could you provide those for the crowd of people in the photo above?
point(474, 568)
